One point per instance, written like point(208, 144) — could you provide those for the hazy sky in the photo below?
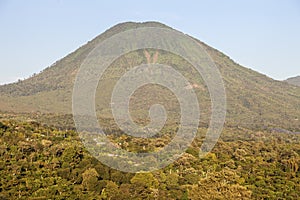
point(260, 34)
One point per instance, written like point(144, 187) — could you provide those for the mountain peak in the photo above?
point(140, 24)
point(248, 92)
point(123, 26)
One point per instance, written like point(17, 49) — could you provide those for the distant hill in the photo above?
point(294, 80)
point(254, 100)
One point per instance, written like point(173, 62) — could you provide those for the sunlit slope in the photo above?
point(253, 99)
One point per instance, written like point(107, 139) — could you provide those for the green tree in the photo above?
point(90, 180)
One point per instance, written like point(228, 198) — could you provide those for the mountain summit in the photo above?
point(253, 99)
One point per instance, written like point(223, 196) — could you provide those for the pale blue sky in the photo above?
point(260, 34)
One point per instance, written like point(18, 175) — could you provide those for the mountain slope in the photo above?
point(254, 100)
point(294, 80)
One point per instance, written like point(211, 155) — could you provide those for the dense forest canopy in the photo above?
point(38, 161)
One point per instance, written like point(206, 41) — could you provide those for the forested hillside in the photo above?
point(256, 157)
point(42, 162)
point(253, 100)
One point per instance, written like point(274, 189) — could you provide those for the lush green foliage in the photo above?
point(40, 162)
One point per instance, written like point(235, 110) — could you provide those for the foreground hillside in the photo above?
point(253, 100)
point(42, 162)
